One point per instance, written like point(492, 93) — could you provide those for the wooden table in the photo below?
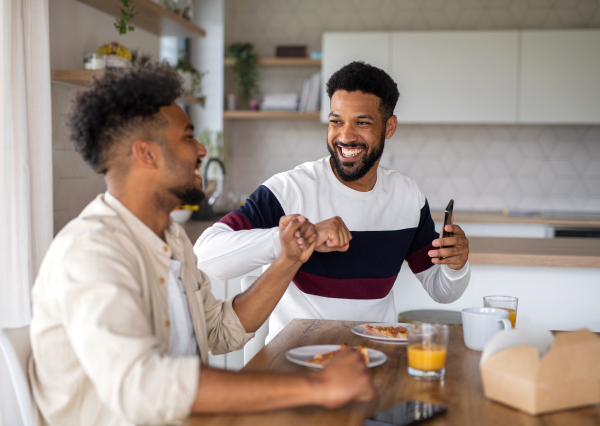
point(461, 391)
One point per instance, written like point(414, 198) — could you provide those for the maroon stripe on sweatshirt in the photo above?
point(420, 261)
point(345, 288)
point(236, 221)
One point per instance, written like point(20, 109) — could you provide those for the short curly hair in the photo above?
point(358, 76)
point(117, 105)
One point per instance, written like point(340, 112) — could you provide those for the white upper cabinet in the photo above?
point(340, 49)
point(456, 77)
point(560, 77)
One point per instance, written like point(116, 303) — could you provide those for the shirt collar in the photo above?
point(141, 230)
point(339, 186)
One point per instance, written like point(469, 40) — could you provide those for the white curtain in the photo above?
point(26, 221)
point(25, 167)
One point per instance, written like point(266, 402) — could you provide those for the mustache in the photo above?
point(349, 145)
point(198, 162)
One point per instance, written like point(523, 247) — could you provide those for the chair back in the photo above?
point(258, 342)
point(15, 350)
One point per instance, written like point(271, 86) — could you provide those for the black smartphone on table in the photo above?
point(408, 413)
point(447, 221)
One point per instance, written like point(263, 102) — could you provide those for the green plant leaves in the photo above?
point(245, 71)
point(127, 14)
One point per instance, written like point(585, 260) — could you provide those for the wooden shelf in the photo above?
point(189, 100)
point(75, 77)
point(264, 115)
point(282, 62)
point(84, 77)
point(151, 17)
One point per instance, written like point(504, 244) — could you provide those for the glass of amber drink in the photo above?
point(427, 347)
point(508, 303)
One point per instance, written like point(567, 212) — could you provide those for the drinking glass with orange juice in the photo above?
point(427, 348)
point(508, 303)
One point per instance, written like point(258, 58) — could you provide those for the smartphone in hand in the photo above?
point(447, 221)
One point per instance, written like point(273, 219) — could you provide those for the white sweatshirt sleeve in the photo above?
point(445, 285)
point(224, 253)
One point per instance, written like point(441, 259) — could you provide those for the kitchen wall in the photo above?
point(483, 167)
point(76, 28)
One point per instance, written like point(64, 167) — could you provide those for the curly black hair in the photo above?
point(117, 105)
point(358, 76)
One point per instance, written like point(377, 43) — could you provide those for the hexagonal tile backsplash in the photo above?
point(538, 168)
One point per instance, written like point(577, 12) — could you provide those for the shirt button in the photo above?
point(167, 323)
point(162, 280)
point(165, 249)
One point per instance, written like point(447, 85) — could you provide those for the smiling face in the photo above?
point(182, 154)
point(356, 134)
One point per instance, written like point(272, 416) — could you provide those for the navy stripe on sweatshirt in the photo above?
point(371, 254)
point(261, 211)
point(418, 259)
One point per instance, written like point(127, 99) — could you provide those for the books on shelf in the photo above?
point(311, 91)
point(280, 102)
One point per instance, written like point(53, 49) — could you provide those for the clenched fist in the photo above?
point(333, 235)
point(298, 237)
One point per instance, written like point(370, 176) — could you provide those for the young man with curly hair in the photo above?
point(123, 320)
point(368, 219)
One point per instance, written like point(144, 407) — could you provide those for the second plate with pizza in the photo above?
point(305, 355)
point(362, 330)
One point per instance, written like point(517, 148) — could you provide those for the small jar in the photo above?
point(94, 61)
point(231, 102)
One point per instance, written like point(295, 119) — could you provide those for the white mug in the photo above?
point(481, 324)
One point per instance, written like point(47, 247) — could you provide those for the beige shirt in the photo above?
point(100, 327)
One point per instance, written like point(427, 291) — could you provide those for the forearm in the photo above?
point(445, 285)
point(254, 306)
point(224, 254)
point(235, 392)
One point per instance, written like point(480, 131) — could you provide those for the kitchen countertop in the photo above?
point(573, 221)
point(562, 252)
point(565, 252)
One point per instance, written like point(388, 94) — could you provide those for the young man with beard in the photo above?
point(123, 321)
point(368, 219)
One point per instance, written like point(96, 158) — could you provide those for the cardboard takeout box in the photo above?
point(545, 374)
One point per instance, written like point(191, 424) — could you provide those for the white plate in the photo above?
point(362, 331)
point(302, 354)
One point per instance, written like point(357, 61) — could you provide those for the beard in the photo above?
point(350, 171)
point(188, 194)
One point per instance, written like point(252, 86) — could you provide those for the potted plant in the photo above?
point(117, 56)
point(245, 71)
point(192, 80)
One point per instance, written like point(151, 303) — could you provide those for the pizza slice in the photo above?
point(389, 331)
point(323, 359)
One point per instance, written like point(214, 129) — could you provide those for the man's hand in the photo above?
point(298, 237)
point(344, 379)
point(456, 251)
point(333, 235)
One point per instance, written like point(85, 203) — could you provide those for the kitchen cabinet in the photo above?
point(542, 77)
point(456, 77)
point(339, 49)
point(560, 77)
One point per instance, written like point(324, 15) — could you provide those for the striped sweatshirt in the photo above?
point(389, 224)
